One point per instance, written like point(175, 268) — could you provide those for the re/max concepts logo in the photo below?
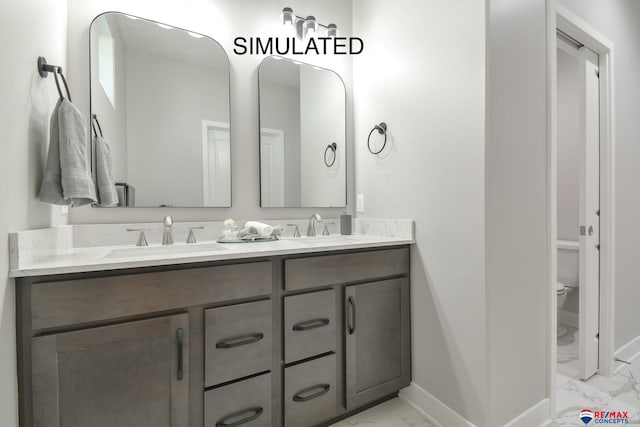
point(604, 417)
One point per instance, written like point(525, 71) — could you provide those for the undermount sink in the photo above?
point(165, 250)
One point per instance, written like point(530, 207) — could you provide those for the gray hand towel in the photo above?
point(67, 165)
point(107, 195)
point(51, 188)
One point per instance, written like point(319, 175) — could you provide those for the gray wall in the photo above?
point(27, 30)
point(423, 73)
point(164, 143)
point(321, 109)
point(516, 207)
point(618, 21)
point(223, 20)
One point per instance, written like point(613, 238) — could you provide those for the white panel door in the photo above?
point(589, 213)
point(216, 164)
point(271, 168)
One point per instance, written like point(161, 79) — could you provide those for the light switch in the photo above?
point(64, 210)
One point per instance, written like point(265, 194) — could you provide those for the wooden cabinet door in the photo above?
point(378, 340)
point(127, 375)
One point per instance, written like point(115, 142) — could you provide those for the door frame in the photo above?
point(559, 17)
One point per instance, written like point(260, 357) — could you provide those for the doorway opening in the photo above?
point(581, 205)
point(578, 208)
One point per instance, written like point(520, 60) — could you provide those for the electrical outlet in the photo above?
point(64, 210)
point(360, 203)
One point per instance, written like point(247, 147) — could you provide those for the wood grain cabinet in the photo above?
point(309, 325)
point(283, 341)
point(129, 375)
point(378, 333)
point(244, 403)
point(238, 341)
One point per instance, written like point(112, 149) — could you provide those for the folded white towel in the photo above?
point(107, 194)
point(67, 180)
point(258, 229)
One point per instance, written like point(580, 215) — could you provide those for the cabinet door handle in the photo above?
point(239, 341)
point(352, 315)
point(253, 413)
point(180, 335)
point(311, 324)
point(302, 396)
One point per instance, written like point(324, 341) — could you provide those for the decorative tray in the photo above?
point(248, 240)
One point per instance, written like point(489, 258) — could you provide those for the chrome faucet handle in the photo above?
point(296, 231)
point(167, 237)
point(311, 229)
point(325, 230)
point(142, 240)
point(192, 237)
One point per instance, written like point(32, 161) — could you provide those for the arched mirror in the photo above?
point(161, 97)
point(302, 135)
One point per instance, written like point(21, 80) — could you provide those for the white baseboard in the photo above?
point(568, 318)
point(536, 416)
point(435, 411)
point(630, 351)
point(443, 416)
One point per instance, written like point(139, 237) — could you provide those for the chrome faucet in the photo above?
point(167, 237)
point(311, 229)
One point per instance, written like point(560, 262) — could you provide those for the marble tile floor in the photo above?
point(620, 392)
point(392, 413)
point(567, 352)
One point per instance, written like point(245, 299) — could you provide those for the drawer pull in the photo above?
point(180, 336)
point(352, 315)
point(253, 413)
point(303, 396)
point(239, 341)
point(311, 324)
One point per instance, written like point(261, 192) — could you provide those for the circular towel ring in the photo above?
point(333, 147)
point(382, 130)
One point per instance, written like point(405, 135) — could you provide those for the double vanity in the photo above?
point(294, 332)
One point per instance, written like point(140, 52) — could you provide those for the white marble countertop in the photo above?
point(69, 258)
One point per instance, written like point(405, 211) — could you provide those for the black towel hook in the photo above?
point(94, 123)
point(333, 147)
point(382, 130)
point(44, 69)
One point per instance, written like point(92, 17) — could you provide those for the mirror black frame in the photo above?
point(91, 143)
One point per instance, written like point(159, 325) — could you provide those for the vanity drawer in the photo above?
point(88, 300)
point(309, 325)
point(302, 273)
point(310, 392)
point(238, 341)
point(246, 403)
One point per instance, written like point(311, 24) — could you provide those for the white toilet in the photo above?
point(562, 291)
